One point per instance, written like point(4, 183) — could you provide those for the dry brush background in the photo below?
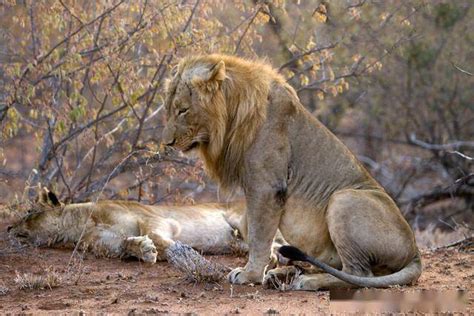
point(81, 93)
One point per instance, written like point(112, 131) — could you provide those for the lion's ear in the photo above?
point(209, 75)
point(217, 72)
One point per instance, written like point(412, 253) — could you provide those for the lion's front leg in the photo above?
point(263, 216)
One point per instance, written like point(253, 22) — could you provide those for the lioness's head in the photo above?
point(189, 95)
point(41, 223)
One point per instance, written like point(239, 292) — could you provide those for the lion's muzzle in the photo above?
point(168, 138)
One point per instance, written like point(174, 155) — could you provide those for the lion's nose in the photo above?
point(168, 138)
point(169, 142)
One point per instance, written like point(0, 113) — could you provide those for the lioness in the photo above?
point(251, 130)
point(130, 229)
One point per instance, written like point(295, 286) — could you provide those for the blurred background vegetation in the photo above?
point(81, 93)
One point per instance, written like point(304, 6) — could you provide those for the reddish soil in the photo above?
point(128, 287)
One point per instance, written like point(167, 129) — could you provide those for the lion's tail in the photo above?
point(407, 275)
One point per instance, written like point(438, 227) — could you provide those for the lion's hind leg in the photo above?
point(368, 232)
point(320, 281)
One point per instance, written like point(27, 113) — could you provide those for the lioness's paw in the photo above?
point(146, 250)
point(241, 276)
point(282, 277)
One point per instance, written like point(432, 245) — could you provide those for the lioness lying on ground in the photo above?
point(130, 229)
point(251, 130)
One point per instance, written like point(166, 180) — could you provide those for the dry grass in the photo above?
point(4, 290)
point(195, 267)
point(29, 281)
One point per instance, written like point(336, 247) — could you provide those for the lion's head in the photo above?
point(41, 223)
point(216, 103)
point(187, 105)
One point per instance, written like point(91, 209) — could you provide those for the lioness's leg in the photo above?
point(103, 242)
point(141, 247)
point(161, 233)
point(161, 243)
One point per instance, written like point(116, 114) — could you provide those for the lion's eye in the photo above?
point(182, 111)
point(190, 90)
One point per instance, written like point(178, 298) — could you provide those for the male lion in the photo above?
point(252, 131)
point(130, 229)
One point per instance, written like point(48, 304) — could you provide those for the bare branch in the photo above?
point(237, 46)
point(451, 146)
point(306, 53)
point(188, 22)
point(462, 70)
point(58, 165)
point(357, 4)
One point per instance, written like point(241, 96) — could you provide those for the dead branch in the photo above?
point(237, 46)
point(450, 146)
point(464, 243)
point(58, 165)
point(306, 53)
point(462, 70)
point(462, 188)
point(128, 164)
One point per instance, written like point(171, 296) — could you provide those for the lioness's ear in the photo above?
point(53, 199)
point(42, 195)
point(47, 197)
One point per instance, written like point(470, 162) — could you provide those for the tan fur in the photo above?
point(125, 228)
point(251, 130)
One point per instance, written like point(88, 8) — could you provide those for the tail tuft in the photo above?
point(292, 253)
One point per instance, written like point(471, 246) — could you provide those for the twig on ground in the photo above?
point(195, 267)
point(464, 244)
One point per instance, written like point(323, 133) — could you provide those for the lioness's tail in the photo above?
point(407, 275)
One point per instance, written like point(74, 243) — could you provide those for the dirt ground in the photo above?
point(101, 286)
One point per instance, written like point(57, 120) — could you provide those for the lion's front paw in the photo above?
point(144, 248)
point(242, 276)
point(282, 277)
